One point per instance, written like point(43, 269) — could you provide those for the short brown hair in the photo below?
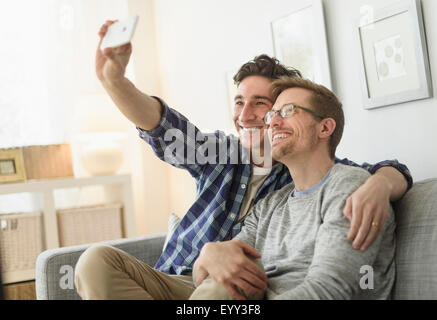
point(323, 100)
point(265, 66)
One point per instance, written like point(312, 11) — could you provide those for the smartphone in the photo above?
point(119, 33)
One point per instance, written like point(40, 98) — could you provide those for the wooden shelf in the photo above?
point(20, 291)
point(118, 186)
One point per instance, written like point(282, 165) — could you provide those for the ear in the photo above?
point(327, 127)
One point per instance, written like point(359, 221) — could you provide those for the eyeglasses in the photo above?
point(287, 111)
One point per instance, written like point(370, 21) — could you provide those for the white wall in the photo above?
point(198, 41)
point(183, 50)
point(150, 178)
point(405, 131)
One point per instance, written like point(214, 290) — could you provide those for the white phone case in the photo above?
point(119, 33)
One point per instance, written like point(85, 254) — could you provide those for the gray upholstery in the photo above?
point(416, 251)
point(416, 238)
point(49, 274)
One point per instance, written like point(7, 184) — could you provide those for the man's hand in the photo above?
point(367, 210)
point(229, 265)
point(199, 273)
point(111, 63)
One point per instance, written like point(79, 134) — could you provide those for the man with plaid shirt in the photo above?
point(231, 174)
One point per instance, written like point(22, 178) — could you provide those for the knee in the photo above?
point(91, 261)
point(209, 289)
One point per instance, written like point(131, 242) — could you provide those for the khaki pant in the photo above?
point(211, 290)
point(105, 272)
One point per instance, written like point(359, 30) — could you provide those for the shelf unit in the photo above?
point(117, 187)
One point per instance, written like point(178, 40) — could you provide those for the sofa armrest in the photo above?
point(54, 274)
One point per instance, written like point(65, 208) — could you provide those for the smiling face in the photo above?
point(298, 133)
point(253, 100)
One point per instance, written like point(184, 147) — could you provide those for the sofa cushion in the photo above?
point(173, 222)
point(416, 243)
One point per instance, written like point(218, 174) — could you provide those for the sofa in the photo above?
point(416, 251)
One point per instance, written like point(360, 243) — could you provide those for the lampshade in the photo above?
point(97, 113)
point(101, 153)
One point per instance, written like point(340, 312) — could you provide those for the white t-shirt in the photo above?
point(259, 174)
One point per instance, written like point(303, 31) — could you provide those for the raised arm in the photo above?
point(141, 109)
point(173, 138)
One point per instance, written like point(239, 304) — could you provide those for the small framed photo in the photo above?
point(12, 165)
point(394, 56)
point(299, 41)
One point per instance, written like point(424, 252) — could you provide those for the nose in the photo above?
point(247, 113)
point(276, 120)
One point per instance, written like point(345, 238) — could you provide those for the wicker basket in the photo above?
point(89, 224)
point(20, 240)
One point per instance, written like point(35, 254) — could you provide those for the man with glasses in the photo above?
point(227, 187)
point(300, 231)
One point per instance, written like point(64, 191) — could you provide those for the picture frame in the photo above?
point(299, 41)
point(394, 56)
point(12, 165)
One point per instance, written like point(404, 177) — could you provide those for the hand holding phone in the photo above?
point(119, 33)
point(114, 49)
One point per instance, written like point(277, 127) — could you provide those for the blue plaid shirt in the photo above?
point(221, 185)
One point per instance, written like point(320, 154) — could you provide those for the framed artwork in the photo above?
point(299, 41)
point(12, 165)
point(394, 56)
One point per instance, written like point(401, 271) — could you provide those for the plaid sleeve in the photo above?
point(178, 142)
point(372, 168)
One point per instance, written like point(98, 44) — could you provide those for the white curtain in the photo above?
point(47, 54)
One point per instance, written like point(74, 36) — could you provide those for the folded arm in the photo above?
point(231, 263)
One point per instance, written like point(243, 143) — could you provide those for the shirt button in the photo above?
point(243, 186)
point(232, 215)
point(184, 268)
